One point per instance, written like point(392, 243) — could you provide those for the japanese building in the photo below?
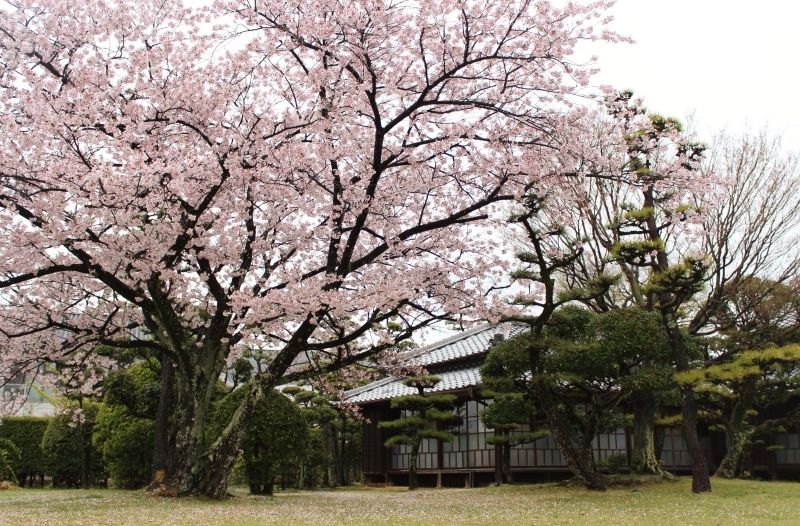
point(469, 461)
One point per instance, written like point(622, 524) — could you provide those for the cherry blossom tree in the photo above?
point(286, 176)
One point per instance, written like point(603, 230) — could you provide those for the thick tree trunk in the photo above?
point(730, 465)
point(498, 464)
point(200, 469)
point(728, 468)
point(658, 440)
point(164, 447)
point(644, 458)
point(701, 481)
point(581, 465)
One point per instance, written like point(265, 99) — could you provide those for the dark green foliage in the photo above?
point(9, 453)
point(61, 445)
point(126, 444)
point(125, 430)
point(613, 463)
point(334, 455)
point(508, 413)
point(26, 433)
point(136, 387)
point(585, 364)
point(276, 439)
point(421, 413)
point(241, 371)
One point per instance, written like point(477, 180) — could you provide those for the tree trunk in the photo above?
point(164, 447)
point(200, 469)
point(84, 455)
point(498, 464)
point(701, 481)
point(343, 479)
point(658, 440)
point(728, 467)
point(581, 466)
point(255, 488)
point(644, 458)
point(507, 476)
point(412, 465)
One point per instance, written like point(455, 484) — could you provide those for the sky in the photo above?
point(732, 63)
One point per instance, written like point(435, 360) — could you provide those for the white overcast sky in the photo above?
point(731, 62)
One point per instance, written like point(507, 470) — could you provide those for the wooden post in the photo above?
point(439, 480)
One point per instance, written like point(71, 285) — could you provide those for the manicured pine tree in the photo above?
point(506, 415)
point(730, 393)
point(420, 411)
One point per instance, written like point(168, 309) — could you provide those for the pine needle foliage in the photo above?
point(421, 413)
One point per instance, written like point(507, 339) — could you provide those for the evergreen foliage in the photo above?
point(586, 364)
point(26, 433)
point(136, 387)
point(420, 412)
point(125, 430)
point(334, 455)
point(9, 453)
point(276, 438)
point(732, 392)
point(506, 415)
point(69, 457)
point(126, 444)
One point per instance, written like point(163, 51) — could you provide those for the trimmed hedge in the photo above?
point(26, 432)
point(126, 443)
point(61, 445)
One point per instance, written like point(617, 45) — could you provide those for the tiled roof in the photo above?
point(468, 343)
point(473, 342)
point(391, 387)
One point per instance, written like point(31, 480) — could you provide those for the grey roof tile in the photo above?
point(392, 387)
point(463, 345)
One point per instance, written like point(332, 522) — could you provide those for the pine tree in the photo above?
point(419, 412)
point(730, 392)
point(507, 415)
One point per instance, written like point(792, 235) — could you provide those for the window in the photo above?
point(790, 454)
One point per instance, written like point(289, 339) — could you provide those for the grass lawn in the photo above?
point(732, 502)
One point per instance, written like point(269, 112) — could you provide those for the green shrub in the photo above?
point(61, 446)
point(276, 440)
point(26, 433)
point(8, 453)
point(613, 463)
point(126, 444)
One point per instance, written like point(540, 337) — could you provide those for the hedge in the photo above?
point(61, 445)
point(26, 432)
